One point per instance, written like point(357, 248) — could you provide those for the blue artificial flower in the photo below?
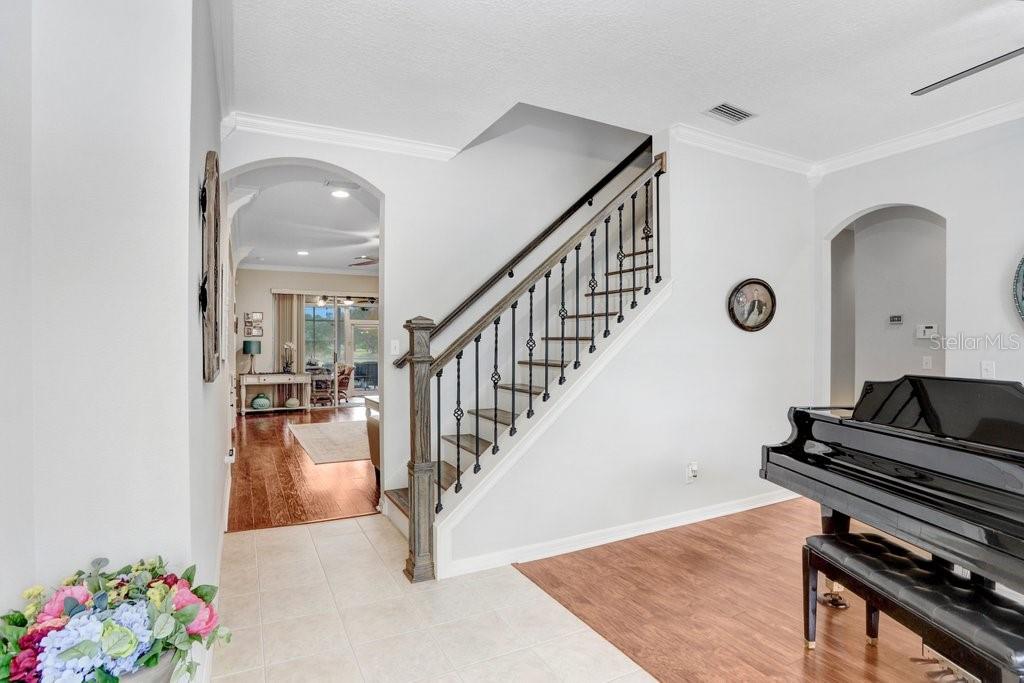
point(134, 617)
point(81, 628)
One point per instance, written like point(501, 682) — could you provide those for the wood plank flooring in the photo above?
point(721, 601)
point(274, 483)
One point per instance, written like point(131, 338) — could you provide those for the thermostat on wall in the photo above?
point(896, 319)
point(927, 331)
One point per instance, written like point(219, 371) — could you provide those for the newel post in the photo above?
point(420, 564)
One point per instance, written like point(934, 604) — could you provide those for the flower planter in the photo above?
point(161, 673)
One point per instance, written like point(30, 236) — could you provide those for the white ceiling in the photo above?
point(825, 77)
point(292, 210)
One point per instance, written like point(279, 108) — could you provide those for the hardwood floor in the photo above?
point(274, 483)
point(721, 601)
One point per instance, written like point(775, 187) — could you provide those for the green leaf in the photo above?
point(189, 574)
point(11, 633)
point(103, 677)
point(100, 601)
point(14, 618)
point(5, 666)
point(86, 648)
point(99, 563)
point(152, 658)
point(186, 615)
point(163, 626)
point(205, 593)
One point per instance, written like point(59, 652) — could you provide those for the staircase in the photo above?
point(469, 400)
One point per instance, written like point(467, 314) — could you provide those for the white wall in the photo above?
point(973, 182)
point(16, 534)
point(899, 268)
point(210, 416)
point(253, 293)
point(844, 320)
point(446, 225)
point(690, 386)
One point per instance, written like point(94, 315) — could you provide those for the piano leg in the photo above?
point(834, 522)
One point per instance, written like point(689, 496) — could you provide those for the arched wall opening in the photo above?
point(888, 297)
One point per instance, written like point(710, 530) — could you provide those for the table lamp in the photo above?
point(251, 347)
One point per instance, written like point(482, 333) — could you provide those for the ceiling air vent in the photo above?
point(728, 113)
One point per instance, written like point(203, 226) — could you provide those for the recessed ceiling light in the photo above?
point(302, 253)
point(340, 194)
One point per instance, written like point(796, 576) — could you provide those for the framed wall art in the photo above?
point(1018, 289)
point(210, 282)
point(751, 305)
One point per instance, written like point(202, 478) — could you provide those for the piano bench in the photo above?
point(962, 619)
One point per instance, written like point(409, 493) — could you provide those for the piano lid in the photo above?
point(986, 411)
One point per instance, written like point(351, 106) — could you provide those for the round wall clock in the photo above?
point(1018, 289)
point(751, 305)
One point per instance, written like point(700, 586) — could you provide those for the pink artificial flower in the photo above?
point(183, 596)
point(204, 623)
point(36, 632)
point(54, 609)
point(23, 667)
point(170, 580)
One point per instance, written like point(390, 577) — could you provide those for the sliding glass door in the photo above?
point(341, 348)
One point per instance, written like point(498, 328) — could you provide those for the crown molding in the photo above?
point(361, 272)
point(313, 132)
point(929, 136)
point(741, 150)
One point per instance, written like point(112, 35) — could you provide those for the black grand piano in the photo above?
point(937, 462)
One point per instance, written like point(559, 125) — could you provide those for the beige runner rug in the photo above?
point(333, 441)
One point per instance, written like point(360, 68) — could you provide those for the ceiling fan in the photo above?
point(969, 72)
point(365, 261)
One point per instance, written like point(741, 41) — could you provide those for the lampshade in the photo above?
point(250, 347)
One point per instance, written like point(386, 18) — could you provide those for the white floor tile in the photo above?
point(281, 539)
point(238, 580)
point(239, 611)
point(288, 603)
point(239, 549)
point(523, 666)
point(303, 637)
point(290, 572)
point(327, 668)
point(408, 657)
point(251, 676)
point(244, 652)
point(585, 657)
point(352, 588)
point(338, 527)
point(504, 587)
point(448, 603)
point(539, 619)
point(381, 619)
point(475, 639)
point(638, 676)
point(371, 523)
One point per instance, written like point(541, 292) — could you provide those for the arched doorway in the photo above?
point(306, 255)
point(888, 297)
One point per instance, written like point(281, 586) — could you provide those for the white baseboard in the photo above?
point(560, 546)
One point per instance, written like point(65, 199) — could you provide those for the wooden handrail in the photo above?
point(537, 273)
point(587, 197)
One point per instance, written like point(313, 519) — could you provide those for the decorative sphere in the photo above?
point(292, 402)
point(260, 401)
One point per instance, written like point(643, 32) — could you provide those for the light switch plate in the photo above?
point(394, 347)
point(988, 369)
point(926, 362)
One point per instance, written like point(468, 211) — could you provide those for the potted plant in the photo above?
point(138, 624)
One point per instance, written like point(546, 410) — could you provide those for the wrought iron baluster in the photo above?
point(531, 344)
point(576, 363)
point(547, 317)
point(476, 379)
point(495, 378)
point(439, 507)
point(459, 414)
point(512, 431)
point(562, 314)
point(593, 299)
point(607, 281)
point(620, 256)
point(657, 222)
point(632, 220)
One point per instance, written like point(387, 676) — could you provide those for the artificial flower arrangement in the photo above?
point(103, 626)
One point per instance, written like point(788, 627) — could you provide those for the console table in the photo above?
point(272, 380)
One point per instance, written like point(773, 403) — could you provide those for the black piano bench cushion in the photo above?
point(987, 621)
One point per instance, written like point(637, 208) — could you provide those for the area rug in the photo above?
point(333, 441)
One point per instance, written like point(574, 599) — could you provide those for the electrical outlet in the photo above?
point(692, 471)
point(926, 362)
point(988, 369)
point(394, 347)
point(230, 457)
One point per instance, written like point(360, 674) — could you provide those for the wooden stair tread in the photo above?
point(522, 388)
point(629, 270)
point(624, 290)
point(468, 442)
point(550, 363)
point(400, 497)
point(495, 415)
point(448, 473)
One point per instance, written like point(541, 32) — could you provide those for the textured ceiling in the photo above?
point(825, 77)
point(292, 210)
